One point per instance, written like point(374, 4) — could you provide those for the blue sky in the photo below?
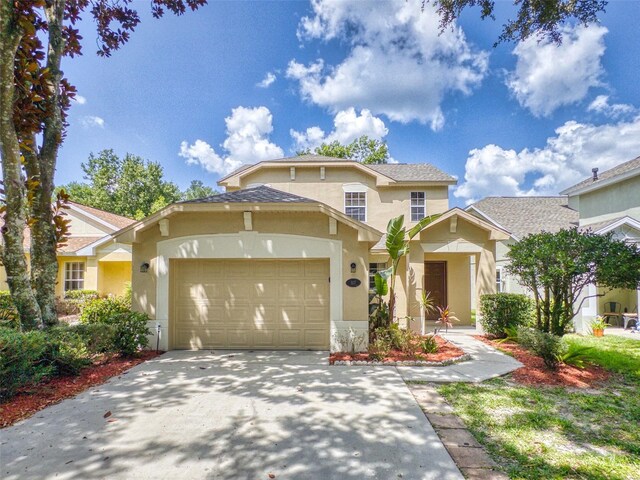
point(519, 119)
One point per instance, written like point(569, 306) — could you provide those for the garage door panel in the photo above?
point(266, 304)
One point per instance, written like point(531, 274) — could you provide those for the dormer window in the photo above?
point(418, 206)
point(355, 205)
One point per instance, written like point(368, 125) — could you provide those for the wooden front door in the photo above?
point(435, 281)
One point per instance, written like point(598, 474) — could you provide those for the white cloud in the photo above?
point(348, 125)
point(548, 76)
point(398, 64)
point(613, 110)
point(247, 141)
point(566, 159)
point(80, 100)
point(90, 121)
point(268, 79)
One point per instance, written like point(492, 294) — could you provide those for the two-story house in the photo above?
point(283, 258)
point(89, 259)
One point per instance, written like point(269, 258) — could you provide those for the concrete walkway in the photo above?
point(486, 362)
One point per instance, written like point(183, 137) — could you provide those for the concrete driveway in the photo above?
point(232, 415)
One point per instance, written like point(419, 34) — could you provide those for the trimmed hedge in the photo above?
point(504, 310)
point(22, 359)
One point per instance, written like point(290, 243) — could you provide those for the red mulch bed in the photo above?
point(30, 400)
point(535, 372)
point(446, 351)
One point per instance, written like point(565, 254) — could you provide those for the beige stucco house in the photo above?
point(283, 259)
point(90, 259)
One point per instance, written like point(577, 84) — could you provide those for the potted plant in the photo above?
point(598, 326)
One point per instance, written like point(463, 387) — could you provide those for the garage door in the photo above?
point(256, 304)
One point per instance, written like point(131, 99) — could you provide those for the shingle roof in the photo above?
point(606, 175)
point(261, 194)
point(74, 244)
point(523, 216)
point(400, 172)
point(116, 220)
point(412, 172)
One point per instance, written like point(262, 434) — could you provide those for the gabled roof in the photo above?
point(117, 221)
point(611, 224)
point(261, 194)
point(394, 172)
point(523, 216)
point(413, 172)
point(618, 173)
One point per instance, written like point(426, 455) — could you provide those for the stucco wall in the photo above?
point(383, 203)
point(113, 277)
point(355, 299)
point(610, 202)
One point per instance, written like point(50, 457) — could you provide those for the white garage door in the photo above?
point(253, 304)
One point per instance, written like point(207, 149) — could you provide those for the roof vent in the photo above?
point(595, 174)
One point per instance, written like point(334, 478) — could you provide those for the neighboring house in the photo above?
point(90, 259)
point(522, 216)
point(284, 258)
point(609, 202)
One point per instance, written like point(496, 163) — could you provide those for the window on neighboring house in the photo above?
point(355, 205)
point(418, 206)
point(373, 269)
point(499, 280)
point(73, 276)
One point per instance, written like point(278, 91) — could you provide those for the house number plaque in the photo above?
point(353, 282)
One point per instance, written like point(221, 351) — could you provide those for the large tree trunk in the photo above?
point(44, 263)
point(13, 256)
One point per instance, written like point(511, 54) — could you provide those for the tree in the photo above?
point(197, 190)
point(543, 18)
point(557, 267)
point(130, 186)
point(363, 149)
point(34, 99)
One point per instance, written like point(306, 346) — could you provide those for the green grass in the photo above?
point(559, 433)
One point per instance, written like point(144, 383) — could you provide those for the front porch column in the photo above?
point(588, 312)
point(485, 276)
point(415, 283)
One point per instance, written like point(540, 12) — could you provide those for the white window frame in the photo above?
point(500, 280)
point(373, 270)
point(423, 206)
point(352, 192)
point(78, 268)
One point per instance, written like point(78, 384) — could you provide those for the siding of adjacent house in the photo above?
point(608, 202)
point(383, 203)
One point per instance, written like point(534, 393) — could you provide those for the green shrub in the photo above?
point(130, 332)
point(21, 359)
point(547, 346)
point(98, 337)
point(8, 314)
point(102, 310)
point(503, 310)
point(66, 351)
point(379, 348)
point(74, 301)
point(428, 344)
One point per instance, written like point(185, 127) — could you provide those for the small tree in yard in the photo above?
point(557, 267)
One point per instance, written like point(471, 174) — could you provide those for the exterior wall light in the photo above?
point(353, 267)
point(144, 268)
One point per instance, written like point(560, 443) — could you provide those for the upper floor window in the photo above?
point(355, 205)
point(499, 280)
point(418, 206)
point(73, 276)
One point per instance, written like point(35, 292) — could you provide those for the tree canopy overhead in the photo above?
point(542, 18)
point(362, 149)
point(35, 35)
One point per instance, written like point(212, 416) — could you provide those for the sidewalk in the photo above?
point(486, 362)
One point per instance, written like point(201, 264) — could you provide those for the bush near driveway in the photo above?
point(501, 311)
point(21, 359)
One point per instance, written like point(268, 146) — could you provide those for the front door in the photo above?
point(435, 281)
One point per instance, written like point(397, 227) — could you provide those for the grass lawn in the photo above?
point(556, 432)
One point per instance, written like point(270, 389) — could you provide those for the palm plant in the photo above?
point(397, 244)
